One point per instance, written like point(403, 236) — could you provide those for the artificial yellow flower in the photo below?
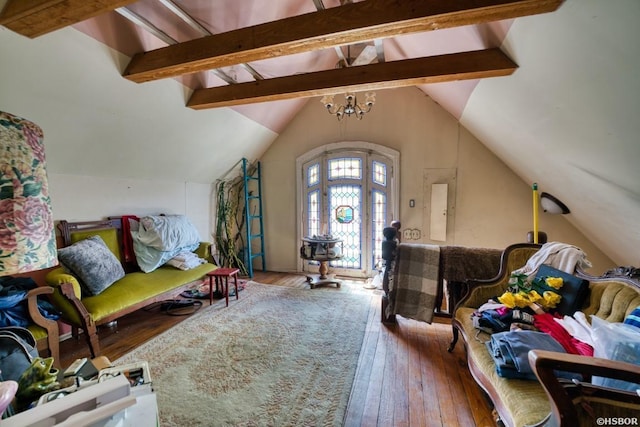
point(521, 299)
point(507, 299)
point(550, 299)
point(534, 296)
point(554, 282)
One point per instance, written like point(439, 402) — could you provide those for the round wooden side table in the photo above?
point(323, 250)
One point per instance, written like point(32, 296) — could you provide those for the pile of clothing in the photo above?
point(538, 311)
point(515, 331)
point(510, 350)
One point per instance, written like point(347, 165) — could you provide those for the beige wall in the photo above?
point(88, 198)
point(114, 147)
point(491, 206)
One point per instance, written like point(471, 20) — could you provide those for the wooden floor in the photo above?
point(405, 376)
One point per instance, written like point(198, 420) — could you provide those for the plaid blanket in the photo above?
point(414, 288)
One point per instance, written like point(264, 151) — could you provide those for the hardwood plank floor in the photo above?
point(405, 376)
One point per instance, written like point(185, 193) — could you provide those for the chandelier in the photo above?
point(351, 105)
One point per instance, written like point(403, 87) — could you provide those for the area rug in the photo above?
point(278, 356)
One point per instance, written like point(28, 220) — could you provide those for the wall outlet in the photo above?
point(415, 234)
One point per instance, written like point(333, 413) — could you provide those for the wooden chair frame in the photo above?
point(563, 393)
point(52, 342)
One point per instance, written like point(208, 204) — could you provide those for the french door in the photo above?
point(348, 194)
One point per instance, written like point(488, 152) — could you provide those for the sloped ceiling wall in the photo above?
point(568, 118)
point(71, 85)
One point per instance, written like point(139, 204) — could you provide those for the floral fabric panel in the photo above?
point(27, 239)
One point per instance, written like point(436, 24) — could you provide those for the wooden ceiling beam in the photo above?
point(348, 24)
point(435, 69)
point(33, 18)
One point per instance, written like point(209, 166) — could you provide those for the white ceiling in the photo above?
point(566, 119)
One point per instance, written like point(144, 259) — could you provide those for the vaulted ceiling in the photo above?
point(297, 49)
point(566, 116)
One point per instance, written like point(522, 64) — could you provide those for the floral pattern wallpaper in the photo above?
point(27, 237)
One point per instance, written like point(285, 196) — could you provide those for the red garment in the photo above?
point(545, 323)
point(127, 241)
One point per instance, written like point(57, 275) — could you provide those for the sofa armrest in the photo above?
point(582, 403)
point(204, 251)
point(86, 320)
point(67, 298)
point(56, 279)
point(51, 326)
point(32, 304)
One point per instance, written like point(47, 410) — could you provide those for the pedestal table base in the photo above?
point(323, 278)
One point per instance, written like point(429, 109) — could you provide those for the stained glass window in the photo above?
point(313, 175)
point(378, 222)
point(346, 195)
point(313, 211)
point(350, 233)
point(379, 173)
point(344, 214)
point(345, 168)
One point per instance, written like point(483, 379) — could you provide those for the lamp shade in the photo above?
point(27, 236)
point(552, 205)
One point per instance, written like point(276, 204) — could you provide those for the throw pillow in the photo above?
point(93, 263)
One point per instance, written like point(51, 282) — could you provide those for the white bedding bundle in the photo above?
point(186, 261)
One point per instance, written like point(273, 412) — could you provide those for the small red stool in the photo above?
point(222, 276)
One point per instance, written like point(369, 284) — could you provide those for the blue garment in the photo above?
point(504, 365)
point(633, 318)
point(14, 310)
point(510, 352)
point(518, 343)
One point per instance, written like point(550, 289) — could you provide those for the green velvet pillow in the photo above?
point(93, 263)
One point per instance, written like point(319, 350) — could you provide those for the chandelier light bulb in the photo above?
point(369, 99)
point(327, 100)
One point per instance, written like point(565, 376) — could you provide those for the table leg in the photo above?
point(235, 277)
point(323, 269)
point(226, 290)
point(322, 278)
point(211, 290)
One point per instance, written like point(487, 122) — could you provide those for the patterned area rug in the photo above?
point(278, 356)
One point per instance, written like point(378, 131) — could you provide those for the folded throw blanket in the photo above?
point(416, 282)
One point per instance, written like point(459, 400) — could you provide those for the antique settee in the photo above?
point(548, 400)
point(520, 402)
point(135, 290)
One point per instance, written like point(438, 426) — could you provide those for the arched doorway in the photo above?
point(348, 190)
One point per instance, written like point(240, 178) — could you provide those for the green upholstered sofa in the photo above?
point(132, 292)
point(525, 402)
